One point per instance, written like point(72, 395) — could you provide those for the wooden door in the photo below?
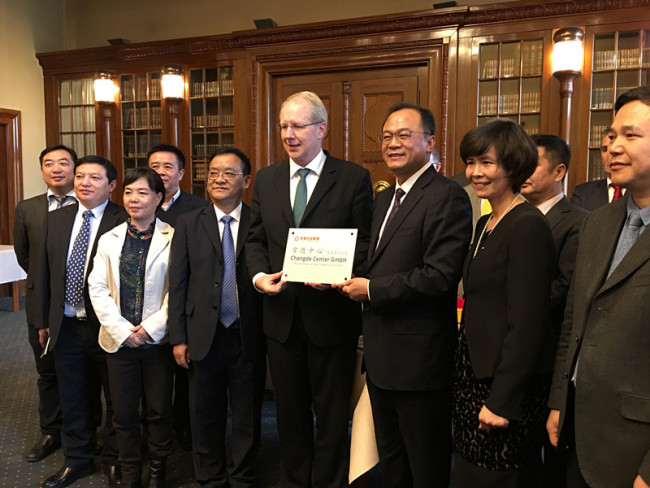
point(356, 102)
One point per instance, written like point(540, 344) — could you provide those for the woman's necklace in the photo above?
point(478, 243)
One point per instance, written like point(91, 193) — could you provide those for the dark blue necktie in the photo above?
point(228, 304)
point(74, 276)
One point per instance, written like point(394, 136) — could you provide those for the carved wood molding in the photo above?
point(389, 24)
point(506, 13)
point(268, 58)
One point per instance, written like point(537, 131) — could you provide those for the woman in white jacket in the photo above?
point(129, 292)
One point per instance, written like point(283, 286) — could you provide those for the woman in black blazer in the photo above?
point(505, 349)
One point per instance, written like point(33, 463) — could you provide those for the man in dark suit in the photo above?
point(421, 229)
point(312, 330)
point(544, 190)
point(57, 169)
point(594, 194)
point(601, 390)
point(71, 327)
point(169, 162)
point(217, 335)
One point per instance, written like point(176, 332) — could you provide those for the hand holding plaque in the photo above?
point(319, 255)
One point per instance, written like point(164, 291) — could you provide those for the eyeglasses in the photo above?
point(227, 175)
point(404, 135)
point(295, 127)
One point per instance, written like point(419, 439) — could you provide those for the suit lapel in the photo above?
point(605, 245)
point(244, 223)
point(382, 203)
point(68, 215)
point(118, 234)
point(283, 191)
point(557, 213)
point(410, 201)
point(211, 228)
point(159, 242)
point(326, 179)
point(638, 254)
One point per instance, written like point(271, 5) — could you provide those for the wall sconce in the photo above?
point(172, 82)
point(104, 86)
point(567, 50)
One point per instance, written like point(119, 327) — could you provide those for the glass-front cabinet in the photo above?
point(510, 82)
point(620, 61)
point(76, 109)
point(141, 116)
point(212, 118)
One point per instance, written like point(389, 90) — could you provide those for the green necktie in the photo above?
point(300, 202)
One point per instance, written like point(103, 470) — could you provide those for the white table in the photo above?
point(10, 271)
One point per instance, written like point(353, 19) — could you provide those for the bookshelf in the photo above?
point(510, 82)
point(141, 116)
point(212, 119)
point(620, 61)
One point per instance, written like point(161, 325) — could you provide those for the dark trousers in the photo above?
point(181, 400)
point(80, 365)
point(131, 371)
point(413, 431)
point(555, 465)
point(307, 376)
point(49, 410)
point(226, 374)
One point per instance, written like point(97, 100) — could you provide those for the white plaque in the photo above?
point(319, 255)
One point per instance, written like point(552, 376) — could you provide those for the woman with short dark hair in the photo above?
point(505, 350)
point(129, 290)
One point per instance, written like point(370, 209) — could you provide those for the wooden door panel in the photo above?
point(369, 101)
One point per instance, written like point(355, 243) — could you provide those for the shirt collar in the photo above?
point(98, 211)
point(171, 202)
point(644, 212)
point(408, 184)
point(546, 206)
point(51, 194)
point(235, 214)
point(315, 165)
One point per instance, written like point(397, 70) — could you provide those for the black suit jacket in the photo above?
point(506, 313)
point(591, 195)
point(52, 274)
point(565, 220)
point(195, 273)
point(342, 198)
point(410, 330)
point(185, 202)
point(30, 229)
point(606, 323)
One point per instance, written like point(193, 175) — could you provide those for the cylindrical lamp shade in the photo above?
point(105, 88)
point(172, 82)
point(567, 50)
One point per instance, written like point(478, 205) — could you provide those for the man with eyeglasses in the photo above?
point(311, 329)
point(215, 325)
point(420, 234)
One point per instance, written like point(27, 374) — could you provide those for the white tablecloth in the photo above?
point(9, 269)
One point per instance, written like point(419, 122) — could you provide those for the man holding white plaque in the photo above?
point(420, 234)
point(311, 329)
